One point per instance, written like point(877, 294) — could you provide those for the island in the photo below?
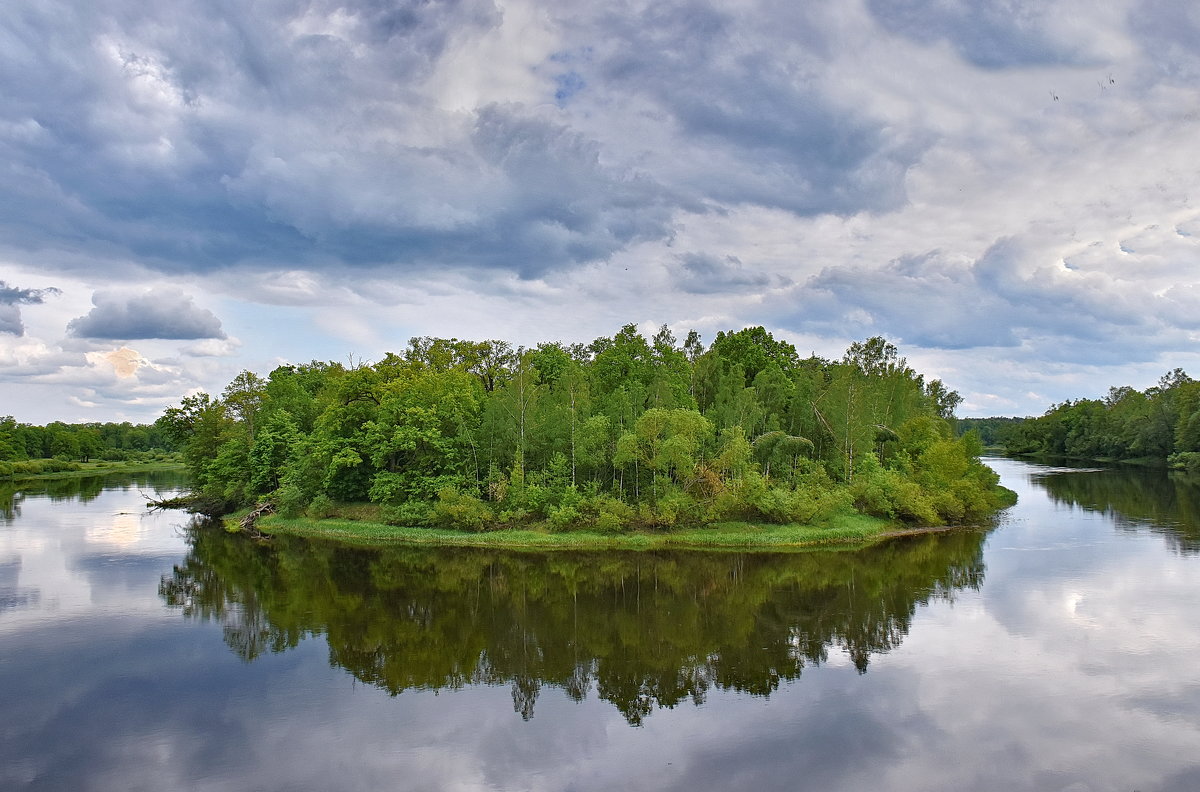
point(627, 441)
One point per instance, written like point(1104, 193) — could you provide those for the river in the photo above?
point(1054, 650)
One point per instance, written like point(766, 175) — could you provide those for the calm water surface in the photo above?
point(1056, 650)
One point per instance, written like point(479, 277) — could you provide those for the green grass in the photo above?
point(842, 530)
point(87, 469)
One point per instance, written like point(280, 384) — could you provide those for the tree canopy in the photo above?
point(1161, 423)
point(626, 431)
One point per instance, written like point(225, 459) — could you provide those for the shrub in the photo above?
point(410, 514)
point(320, 507)
point(538, 500)
point(455, 509)
point(674, 508)
point(728, 506)
point(565, 517)
point(289, 501)
point(1185, 460)
point(786, 506)
point(513, 516)
point(607, 513)
point(881, 492)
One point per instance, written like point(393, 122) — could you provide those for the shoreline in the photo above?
point(106, 469)
point(850, 532)
point(1138, 462)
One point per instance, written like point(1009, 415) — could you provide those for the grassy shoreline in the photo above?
point(88, 469)
point(1143, 462)
point(844, 531)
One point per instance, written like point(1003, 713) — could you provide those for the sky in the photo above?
point(192, 188)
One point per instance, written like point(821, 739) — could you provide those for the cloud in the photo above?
point(995, 34)
point(1171, 31)
point(304, 137)
point(337, 134)
point(125, 361)
point(703, 273)
point(158, 313)
point(213, 347)
point(730, 107)
point(11, 298)
point(828, 169)
point(1014, 295)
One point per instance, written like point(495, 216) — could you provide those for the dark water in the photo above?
point(1055, 651)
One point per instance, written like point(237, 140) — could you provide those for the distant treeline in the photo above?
point(81, 442)
point(1161, 423)
point(992, 431)
point(623, 432)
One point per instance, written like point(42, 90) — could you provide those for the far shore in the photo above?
point(88, 469)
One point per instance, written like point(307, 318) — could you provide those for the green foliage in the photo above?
point(409, 513)
point(991, 431)
point(1185, 460)
point(1154, 424)
point(753, 350)
point(83, 442)
point(663, 443)
point(321, 506)
point(884, 492)
point(270, 450)
point(626, 432)
point(37, 467)
point(460, 510)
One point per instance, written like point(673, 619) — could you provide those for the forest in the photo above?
point(624, 432)
point(1160, 424)
point(993, 432)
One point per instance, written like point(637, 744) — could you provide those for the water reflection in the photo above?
point(1165, 503)
point(642, 630)
point(1070, 668)
point(13, 595)
point(83, 489)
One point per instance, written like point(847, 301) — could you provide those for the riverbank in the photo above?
point(847, 530)
point(1143, 462)
point(88, 469)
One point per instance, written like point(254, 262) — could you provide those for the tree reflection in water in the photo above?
point(1165, 503)
point(83, 489)
point(645, 630)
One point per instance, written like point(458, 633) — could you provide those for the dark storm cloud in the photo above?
point(992, 34)
point(241, 143)
point(193, 138)
point(745, 93)
point(11, 298)
point(160, 313)
point(144, 115)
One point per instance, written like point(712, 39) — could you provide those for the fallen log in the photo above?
point(248, 523)
point(177, 502)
